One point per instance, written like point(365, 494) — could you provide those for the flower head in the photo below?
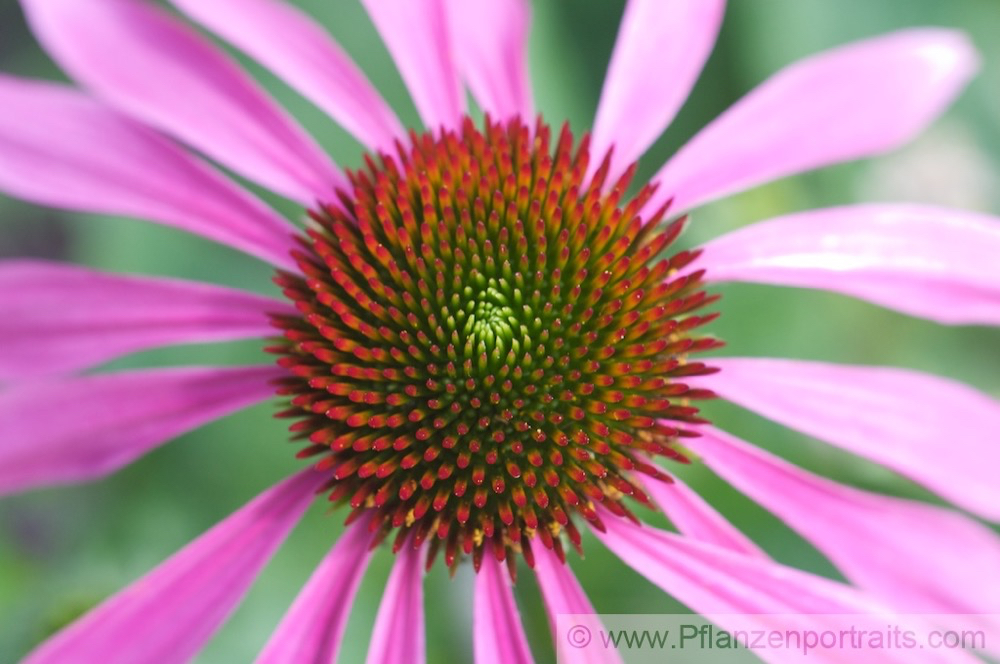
point(486, 344)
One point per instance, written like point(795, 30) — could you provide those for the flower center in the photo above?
point(489, 347)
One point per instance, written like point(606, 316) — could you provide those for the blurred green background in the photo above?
point(63, 550)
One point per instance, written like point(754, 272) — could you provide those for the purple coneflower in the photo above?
point(486, 345)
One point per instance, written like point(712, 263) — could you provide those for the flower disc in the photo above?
point(489, 345)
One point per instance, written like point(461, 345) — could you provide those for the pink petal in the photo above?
point(935, 431)
point(498, 636)
point(659, 53)
point(695, 518)
point(62, 317)
point(739, 592)
point(951, 562)
point(854, 101)
point(313, 628)
point(78, 428)
point(710, 579)
point(160, 71)
point(931, 262)
point(289, 42)
point(491, 42)
point(169, 614)
point(63, 149)
point(563, 595)
point(398, 637)
point(417, 36)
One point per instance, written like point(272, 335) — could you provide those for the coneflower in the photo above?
point(487, 345)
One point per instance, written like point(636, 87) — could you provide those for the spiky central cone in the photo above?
point(489, 345)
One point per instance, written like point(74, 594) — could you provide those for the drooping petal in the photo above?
point(313, 628)
point(741, 592)
point(498, 637)
point(490, 41)
point(169, 614)
point(659, 53)
point(563, 595)
point(63, 149)
point(72, 429)
point(399, 637)
point(854, 101)
point(290, 43)
point(951, 562)
point(935, 431)
point(695, 518)
point(61, 317)
point(155, 68)
point(711, 579)
point(418, 38)
point(932, 262)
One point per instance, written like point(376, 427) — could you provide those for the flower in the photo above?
point(557, 293)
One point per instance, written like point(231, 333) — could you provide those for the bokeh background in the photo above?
point(63, 550)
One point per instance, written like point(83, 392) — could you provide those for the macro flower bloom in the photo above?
point(485, 342)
